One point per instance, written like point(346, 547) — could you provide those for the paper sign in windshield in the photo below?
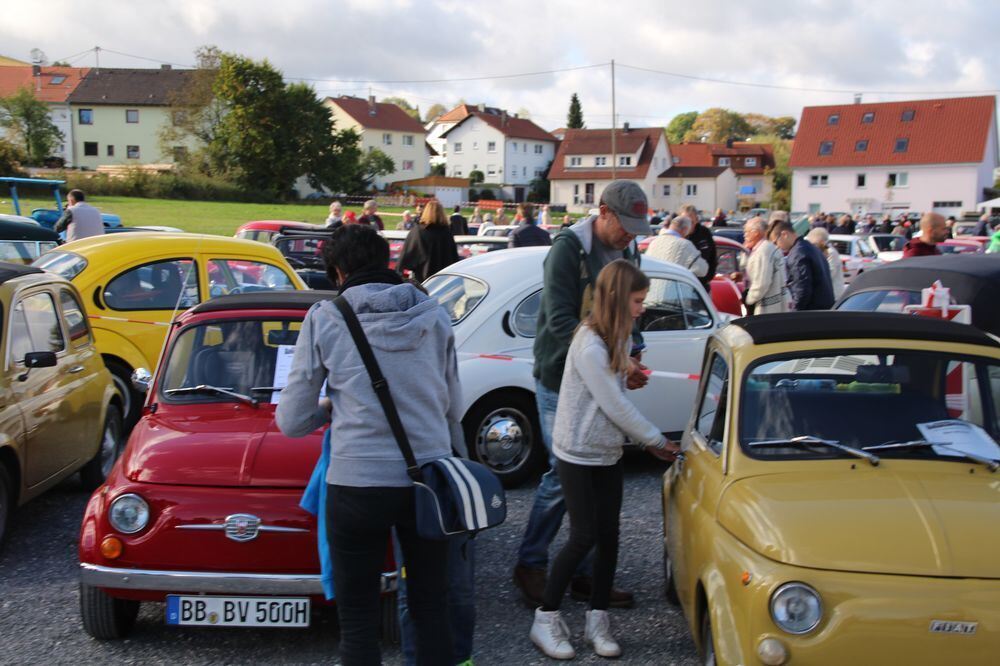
point(953, 436)
point(282, 366)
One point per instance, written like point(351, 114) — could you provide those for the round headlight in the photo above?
point(796, 608)
point(129, 514)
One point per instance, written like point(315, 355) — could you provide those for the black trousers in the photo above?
point(594, 501)
point(358, 522)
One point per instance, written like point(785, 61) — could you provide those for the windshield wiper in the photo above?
point(262, 389)
point(989, 463)
point(809, 439)
point(214, 390)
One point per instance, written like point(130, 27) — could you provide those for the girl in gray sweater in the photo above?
point(593, 419)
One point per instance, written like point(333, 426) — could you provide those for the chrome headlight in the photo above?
point(796, 608)
point(129, 513)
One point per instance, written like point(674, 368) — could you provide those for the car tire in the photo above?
point(121, 373)
point(707, 639)
point(104, 617)
point(669, 583)
point(389, 607)
point(6, 501)
point(110, 447)
point(503, 433)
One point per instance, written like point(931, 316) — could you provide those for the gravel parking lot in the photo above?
point(40, 623)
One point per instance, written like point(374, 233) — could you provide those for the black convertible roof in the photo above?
point(833, 324)
point(266, 300)
point(10, 271)
point(11, 230)
point(973, 280)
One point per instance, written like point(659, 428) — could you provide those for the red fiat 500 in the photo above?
point(202, 510)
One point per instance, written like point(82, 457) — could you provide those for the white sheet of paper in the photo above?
point(961, 436)
point(282, 366)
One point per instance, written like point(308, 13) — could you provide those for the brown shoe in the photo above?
point(531, 582)
point(581, 586)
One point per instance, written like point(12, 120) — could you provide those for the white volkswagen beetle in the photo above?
point(493, 300)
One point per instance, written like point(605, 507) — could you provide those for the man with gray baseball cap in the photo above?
point(571, 267)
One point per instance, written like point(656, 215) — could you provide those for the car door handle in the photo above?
point(75, 369)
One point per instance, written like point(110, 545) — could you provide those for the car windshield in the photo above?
point(458, 294)
point(888, 243)
point(794, 406)
point(302, 252)
point(248, 357)
point(24, 251)
point(65, 264)
point(842, 247)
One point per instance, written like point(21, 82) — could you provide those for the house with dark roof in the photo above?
point(582, 166)
point(508, 150)
point(752, 164)
point(388, 128)
point(706, 187)
point(918, 155)
point(118, 114)
point(51, 85)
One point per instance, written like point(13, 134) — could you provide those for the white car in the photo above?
point(493, 300)
point(888, 246)
point(856, 254)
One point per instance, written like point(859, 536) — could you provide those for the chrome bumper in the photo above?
point(210, 582)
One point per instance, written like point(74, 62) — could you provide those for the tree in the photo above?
point(413, 112)
point(476, 176)
point(523, 113)
point(783, 127)
point(781, 173)
point(60, 63)
point(434, 111)
point(574, 119)
point(375, 163)
point(680, 125)
point(718, 126)
point(538, 190)
point(438, 169)
point(196, 114)
point(29, 126)
point(10, 159)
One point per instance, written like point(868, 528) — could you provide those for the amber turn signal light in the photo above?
point(112, 547)
point(746, 578)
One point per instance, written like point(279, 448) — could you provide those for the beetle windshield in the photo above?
point(870, 398)
point(249, 357)
point(458, 294)
point(65, 264)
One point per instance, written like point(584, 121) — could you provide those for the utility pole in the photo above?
point(97, 58)
point(614, 125)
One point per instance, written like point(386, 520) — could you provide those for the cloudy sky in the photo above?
point(346, 46)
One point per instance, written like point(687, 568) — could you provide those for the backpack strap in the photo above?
point(380, 385)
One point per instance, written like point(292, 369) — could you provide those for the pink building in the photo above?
point(936, 154)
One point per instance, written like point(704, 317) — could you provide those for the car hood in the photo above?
point(925, 523)
point(242, 447)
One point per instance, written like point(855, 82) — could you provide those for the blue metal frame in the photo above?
point(12, 183)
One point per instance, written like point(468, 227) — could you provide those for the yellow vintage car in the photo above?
point(837, 499)
point(134, 285)
point(59, 410)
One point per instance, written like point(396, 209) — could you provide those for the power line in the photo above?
point(774, 86)
point(453, 80)
point(138, 57)
point(75, 55)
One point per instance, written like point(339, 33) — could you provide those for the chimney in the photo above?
point(503, 118)
point(729, 143)
point(165, 66)
point(371, 105)
point(625, 127)
point(515, 115)
point(857, 98)
point(481, 107)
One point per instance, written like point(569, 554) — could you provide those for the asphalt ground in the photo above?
point(40, 617)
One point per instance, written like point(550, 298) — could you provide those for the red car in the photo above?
point(967, 245)
point(727, 296)
point(202, 510)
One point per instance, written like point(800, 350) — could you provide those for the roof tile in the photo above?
point(138, 87)
point(386, 117)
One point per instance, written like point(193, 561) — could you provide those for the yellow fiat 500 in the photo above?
point(134, 284)
point(837, 499)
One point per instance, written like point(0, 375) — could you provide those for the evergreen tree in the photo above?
point(574, 119)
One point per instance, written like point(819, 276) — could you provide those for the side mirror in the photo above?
point(141, 379)
point(38, 359)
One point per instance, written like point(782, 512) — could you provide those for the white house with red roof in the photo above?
point(751, 163)
point(582, 166)
point(53, 86)
point(920, 155)
point(388, 128)
point(509, 151)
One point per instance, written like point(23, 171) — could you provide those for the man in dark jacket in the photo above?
point(809, 279)
point(528, 233)
point(702, 238)
point(571, 267)
point(933, 230)
point(459, 225)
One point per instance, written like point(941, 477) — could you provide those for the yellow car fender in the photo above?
point(724, 623)
point(112, 344)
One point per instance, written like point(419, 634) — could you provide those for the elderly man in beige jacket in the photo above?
point(765, 271)
point(672, 245)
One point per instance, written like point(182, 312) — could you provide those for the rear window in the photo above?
point(458, 294)
point(843, 248)
point(883, 300)
point(64, 264)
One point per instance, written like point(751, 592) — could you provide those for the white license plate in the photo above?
point(237, 611)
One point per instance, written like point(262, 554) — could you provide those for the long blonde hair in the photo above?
point(433, 214)
point(611, 318)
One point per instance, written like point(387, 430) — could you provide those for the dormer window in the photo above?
point(908, 115)
point(676, 160)
point(861, 145)
point(749, 161)
point(868, 118)
point(56, 80)
point(902, 145)
point(826, 148)
point(833, 119)
point(723, 161)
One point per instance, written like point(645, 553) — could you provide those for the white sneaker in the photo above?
point(551, 635)
point(598, 634)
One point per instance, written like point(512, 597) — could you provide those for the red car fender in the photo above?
point(726, 296)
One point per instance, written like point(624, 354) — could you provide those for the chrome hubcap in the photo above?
point(109, 448)
point(503, 441)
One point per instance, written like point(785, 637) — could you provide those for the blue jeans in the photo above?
point(549, 508)
point(461, 603)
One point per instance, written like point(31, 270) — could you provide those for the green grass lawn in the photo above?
point(207, 217)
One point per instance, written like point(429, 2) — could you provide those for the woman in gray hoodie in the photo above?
point(368, 490)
